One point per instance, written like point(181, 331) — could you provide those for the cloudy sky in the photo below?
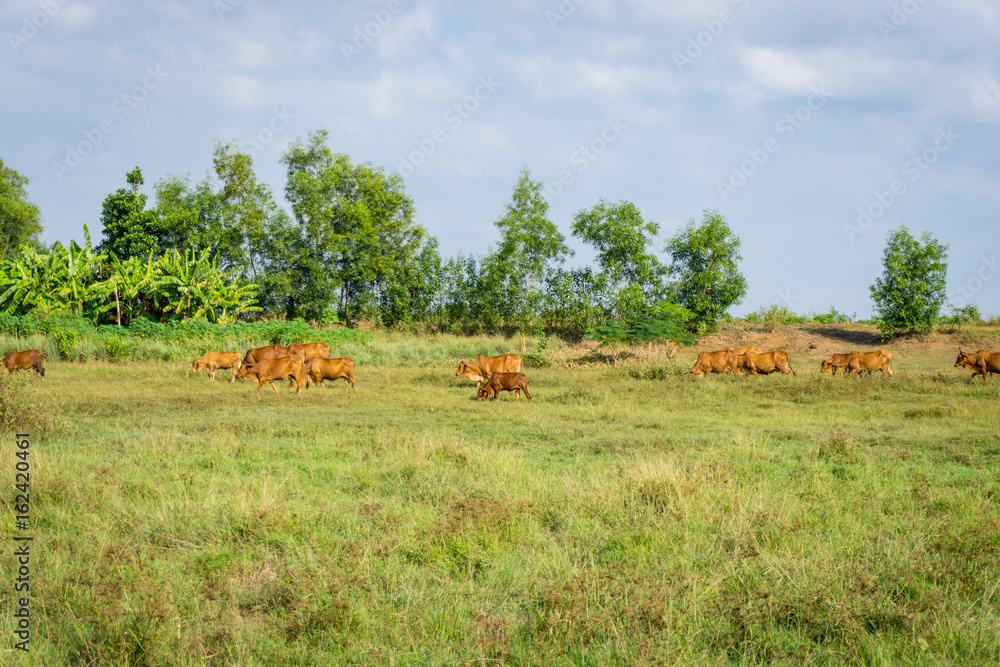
point(812, 127)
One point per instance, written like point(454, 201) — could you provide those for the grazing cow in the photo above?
point(837, 361)
point(212, 361)
point(269, 370)
point(980, 363)
point(261, 353)
point(515, 382)
point(317, 370)
point(483, 368)
point(27, 359)
point(310, 350)
point(766, 362)
point(869, 362)
point(719, 361)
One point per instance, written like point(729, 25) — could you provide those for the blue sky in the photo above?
point(811, 127)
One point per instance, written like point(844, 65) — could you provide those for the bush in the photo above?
point(66, 340)
point(964, 315)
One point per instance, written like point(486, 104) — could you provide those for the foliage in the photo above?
point(630, 275)
point(129, 229)
point(963, 315)
point(704, 259)
point(358, 241)
point(663, 322)
point(20, 221)
point(911, 290)
point(530, 247)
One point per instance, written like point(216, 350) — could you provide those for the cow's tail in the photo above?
point(790, 366)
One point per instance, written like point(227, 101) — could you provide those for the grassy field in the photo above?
point(611, 521)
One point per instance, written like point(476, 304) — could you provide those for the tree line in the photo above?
point(348, 250)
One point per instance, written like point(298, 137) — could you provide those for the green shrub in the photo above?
point(66, 338)
point(119, 348)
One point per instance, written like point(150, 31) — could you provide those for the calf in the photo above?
point(482, 368)
point(719, 361)
point(837, 361)
point(269, 370)
point(27, 359)
point(515, 382)
point(317, 370)
point(212, 361)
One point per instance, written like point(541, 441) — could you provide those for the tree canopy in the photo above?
point(909, 294)
point(704, 259)
point(20, 221)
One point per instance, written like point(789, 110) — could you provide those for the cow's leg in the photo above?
point(526, 394)
point(517, 393)
point(211, 372)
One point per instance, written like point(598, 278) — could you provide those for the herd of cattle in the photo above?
point(312, 362)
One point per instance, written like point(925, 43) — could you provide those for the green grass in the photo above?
point(614, 520)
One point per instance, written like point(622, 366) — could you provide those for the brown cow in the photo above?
point(483, 368)
point(27, 359)
point(212, 361)
point(310, 350)
point(766, 362)
point(980, 363)
point(515, 382)
point(719, 361)
point(269, 370)
point(271, 352)
point(318, 370)
point(869, 362)
point(837, 361)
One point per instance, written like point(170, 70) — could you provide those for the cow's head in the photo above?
point(483, 393)
point(244, 370)
point(826, 366)
point(964, 359)
point(198, 365)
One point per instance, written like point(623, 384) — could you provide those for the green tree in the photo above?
point(188, 216)
point(530, 249)
point(630, 274)
point(911, 291)
point(358, 228)
point(248, 214)
point(129, 229)
point(704, 260)
point(19, 218)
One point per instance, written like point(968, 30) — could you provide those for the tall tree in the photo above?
point(248, 214)
point(911, 291)
point(187, 215)
point(631, 276)
point(531, 247)
point(358, 227)
point(705, 260)
point(20, 222)
point(129, 229)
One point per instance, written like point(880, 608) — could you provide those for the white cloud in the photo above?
point(779, 70)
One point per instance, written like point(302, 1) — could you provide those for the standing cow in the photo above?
point(27, 359)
